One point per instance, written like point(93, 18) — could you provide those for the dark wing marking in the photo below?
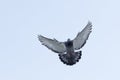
point(52, 44)
point(82, 36)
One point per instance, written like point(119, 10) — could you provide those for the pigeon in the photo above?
point(67, 50)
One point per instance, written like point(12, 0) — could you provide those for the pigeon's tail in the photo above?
point(70, 61)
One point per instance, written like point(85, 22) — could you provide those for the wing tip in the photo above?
point(40, 38)
point(39, 35)
point(89, 25)
point(89, 22)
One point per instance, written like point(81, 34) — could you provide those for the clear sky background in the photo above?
point(22, 57)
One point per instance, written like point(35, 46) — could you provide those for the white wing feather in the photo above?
point(82, 36)
point(54, 45)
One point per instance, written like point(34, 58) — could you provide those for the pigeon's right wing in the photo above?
point(82, 36)
point(54, 45)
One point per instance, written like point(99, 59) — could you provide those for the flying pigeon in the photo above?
point(66, 50)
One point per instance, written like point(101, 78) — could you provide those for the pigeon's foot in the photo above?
point(70, 60)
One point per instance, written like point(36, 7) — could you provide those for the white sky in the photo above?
point(22, 57)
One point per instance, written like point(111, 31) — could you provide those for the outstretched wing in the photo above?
point(82, 36)
point(54, 45)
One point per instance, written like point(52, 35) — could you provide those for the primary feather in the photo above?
point(52, 44)
point(82, 36)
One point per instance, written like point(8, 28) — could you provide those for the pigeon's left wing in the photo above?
point(82, 36)
point(54, 45)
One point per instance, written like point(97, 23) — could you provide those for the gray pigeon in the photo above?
point(66, 50)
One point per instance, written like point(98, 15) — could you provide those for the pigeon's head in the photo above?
point(69, 43)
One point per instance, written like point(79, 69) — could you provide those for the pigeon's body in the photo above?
point(66, 50)
point(70, 57)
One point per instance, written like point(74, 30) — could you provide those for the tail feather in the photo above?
point(70, 61)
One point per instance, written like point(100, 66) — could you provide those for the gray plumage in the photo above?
point(66, 50)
